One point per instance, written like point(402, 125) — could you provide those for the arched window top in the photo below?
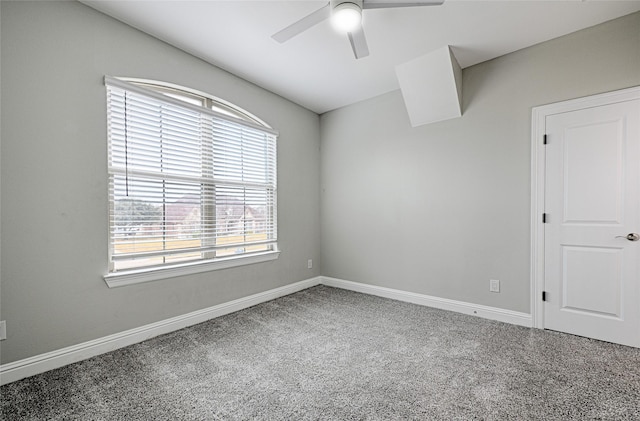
point(202, 99)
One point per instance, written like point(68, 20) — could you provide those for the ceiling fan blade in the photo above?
point(385, 4)
point(303, 24)
point(358, 43)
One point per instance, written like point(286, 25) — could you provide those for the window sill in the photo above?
point(139, 276)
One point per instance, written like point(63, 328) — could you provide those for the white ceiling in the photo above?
point(317, 70)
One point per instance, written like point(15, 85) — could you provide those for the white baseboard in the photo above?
point(493, 313)
point(44, 362)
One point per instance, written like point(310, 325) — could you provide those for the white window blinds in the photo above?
point(185, 183)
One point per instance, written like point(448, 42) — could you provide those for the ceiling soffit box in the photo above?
point(431, 86)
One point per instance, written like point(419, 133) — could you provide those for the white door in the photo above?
point(592, 207)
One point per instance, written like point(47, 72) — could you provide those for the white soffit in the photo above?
point(431, 87)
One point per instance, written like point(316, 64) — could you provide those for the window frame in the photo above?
point(219, 109)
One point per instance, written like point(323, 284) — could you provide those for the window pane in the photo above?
point(152, 136)
point(156, 215)
point(241, 154)
point(242, 216)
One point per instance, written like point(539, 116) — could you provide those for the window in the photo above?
point(192, 182)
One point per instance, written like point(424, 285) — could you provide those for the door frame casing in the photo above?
point(538, 177)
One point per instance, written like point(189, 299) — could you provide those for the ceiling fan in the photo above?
point(346, 15)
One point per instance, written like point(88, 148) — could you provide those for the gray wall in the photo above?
point(441, 209)
point(54, 179)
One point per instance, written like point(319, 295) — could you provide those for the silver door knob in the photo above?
point(631, 237)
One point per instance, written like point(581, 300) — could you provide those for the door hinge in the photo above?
point(544, 139)
point(544, 218)
point(544, 295)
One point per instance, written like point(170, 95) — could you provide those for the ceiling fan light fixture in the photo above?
point(346, 16)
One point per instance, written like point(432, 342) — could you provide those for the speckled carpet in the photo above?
point(330, 354)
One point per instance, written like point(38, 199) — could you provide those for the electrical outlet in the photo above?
point(3, 330)
point(494, 285)
point(310, 264)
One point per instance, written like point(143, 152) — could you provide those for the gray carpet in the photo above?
point(330, 354)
